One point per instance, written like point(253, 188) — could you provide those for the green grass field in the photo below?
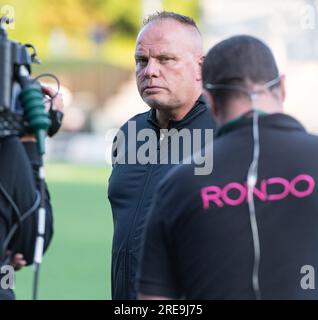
point(77, 263)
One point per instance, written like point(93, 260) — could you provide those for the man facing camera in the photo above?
point(168, 58)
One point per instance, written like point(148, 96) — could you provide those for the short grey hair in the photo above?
point(161, 15)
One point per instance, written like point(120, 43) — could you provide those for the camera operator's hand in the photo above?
point(28, 138)
point(58, 103)
point(55, 108)
point(17, 261)
point(56, 113)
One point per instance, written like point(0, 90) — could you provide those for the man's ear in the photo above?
point(211, 102)
point(282, 87)
point(199, 68)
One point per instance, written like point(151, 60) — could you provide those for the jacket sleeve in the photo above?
point(27, 185)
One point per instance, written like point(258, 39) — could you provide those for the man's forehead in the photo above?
point(156, 48)
point(164, 35)
point(156, 35)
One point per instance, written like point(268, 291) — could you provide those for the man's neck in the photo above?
point(177, 114)
point(240, 108)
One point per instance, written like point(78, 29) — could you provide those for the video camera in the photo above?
point(21, 99)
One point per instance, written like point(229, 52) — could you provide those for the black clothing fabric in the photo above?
point(131, 189)
point(19, 168)
point(199, 242)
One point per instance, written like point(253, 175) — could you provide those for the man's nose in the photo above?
point(152, 69)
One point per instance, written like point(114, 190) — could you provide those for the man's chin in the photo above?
point(156, 103)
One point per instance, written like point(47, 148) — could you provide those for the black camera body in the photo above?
point(21, 99)
point(15, 69)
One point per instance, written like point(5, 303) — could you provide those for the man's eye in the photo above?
point(142, 62)
point(164, 59)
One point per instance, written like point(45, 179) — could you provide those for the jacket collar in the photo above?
point(275, 120)
point(199, 107)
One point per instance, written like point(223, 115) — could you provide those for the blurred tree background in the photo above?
point(103, 30)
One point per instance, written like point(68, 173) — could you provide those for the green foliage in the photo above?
point(124, 16)
point(35, 20)
point(185, 7)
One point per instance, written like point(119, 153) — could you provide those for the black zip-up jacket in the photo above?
point(131, 189)
point(19, 170)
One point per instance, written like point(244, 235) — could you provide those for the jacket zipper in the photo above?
point(132, 226)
